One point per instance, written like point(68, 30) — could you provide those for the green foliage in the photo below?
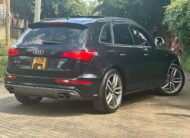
point(3, 51)
point(185, 61)
point(50, 8)
point(177, 17)
point(77, 7)
point(3, 61)
point(149, 13)
point(3, 58)
point(23, 9)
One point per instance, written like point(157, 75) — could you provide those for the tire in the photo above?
point(26, 100)
point(110, 97)
point(175, 74)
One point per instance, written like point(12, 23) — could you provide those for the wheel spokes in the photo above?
point(117, 90)
point(109, 98)
point(177, 80)
point(174, 71)
point(114, 99)
point(115, 81)
point(174, 81)
point(109, 86)
point(172, 86)
point(165, 86)
point(114, 91)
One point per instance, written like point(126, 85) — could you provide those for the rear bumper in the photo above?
point(67, 94)
point(47, 87)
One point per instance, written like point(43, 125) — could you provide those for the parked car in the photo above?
point(86, 58)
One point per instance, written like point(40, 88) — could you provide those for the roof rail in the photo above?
point(85, 16)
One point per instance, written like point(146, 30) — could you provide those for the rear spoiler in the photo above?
point(56, 24)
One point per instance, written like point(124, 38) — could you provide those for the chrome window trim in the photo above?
point(113, 44)
point(123, 45)
point(102, 32)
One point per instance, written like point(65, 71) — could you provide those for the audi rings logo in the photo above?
point(38, 52)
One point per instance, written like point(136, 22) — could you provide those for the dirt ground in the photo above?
point(142, 115)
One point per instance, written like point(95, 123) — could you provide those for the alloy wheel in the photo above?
point(114, 91)
point(174, 81)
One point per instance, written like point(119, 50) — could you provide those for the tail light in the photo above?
point(82, 55)
point(75, 82)
point(10, 76)
point(13, 52)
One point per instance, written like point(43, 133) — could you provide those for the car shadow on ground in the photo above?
point(54, 108)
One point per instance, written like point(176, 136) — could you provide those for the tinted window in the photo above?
point(122, 34)
point(106, 34)
point(53, 35)
point(140, 37)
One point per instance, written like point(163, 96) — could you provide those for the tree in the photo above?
point(53, 8)
point(23, 9)
point(50, 8)
point(148, 13)
point(177, 17)
point(77, 7)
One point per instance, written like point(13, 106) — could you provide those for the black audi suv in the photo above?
point(86, 58)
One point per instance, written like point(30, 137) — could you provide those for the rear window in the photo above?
point(53, 35)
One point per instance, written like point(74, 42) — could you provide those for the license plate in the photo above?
point(39, 63)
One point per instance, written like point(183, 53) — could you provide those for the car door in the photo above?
point(129, 57)
point(154, 59)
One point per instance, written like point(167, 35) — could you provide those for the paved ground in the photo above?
point(141, 115)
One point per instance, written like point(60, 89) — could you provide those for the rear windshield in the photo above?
point(53, 36)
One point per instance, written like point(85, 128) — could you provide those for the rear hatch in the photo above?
point(50, 50)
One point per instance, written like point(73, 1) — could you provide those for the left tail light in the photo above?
point(10, 76)
point(13, 52)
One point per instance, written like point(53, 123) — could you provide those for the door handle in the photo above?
point(146, 54)
point(122, 55)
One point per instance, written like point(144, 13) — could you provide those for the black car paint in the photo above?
point(141, 68)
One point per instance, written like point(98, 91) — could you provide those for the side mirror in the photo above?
point(159, 41)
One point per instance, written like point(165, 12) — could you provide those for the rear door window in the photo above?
point(105, 35)
point(54, 35)
point(122, 34)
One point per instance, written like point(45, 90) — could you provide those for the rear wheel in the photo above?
point(111, 93)
point(28, 99)
point(174, 82)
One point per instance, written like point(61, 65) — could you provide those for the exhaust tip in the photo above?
point(64, 96)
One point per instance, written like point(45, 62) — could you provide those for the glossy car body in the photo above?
point(142, 66)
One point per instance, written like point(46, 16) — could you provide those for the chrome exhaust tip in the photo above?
point(64, 96)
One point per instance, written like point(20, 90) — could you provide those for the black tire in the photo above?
point(182, 84)
point(26, 100)
point(101, 104)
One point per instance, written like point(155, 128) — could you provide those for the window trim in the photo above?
point(102, 32)
point(124, 45)
point(140, 29)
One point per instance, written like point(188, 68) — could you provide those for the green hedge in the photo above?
point(3, 57)
point(185, 60)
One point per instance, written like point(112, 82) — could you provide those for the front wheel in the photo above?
point(174, 82)
point(111, 93)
